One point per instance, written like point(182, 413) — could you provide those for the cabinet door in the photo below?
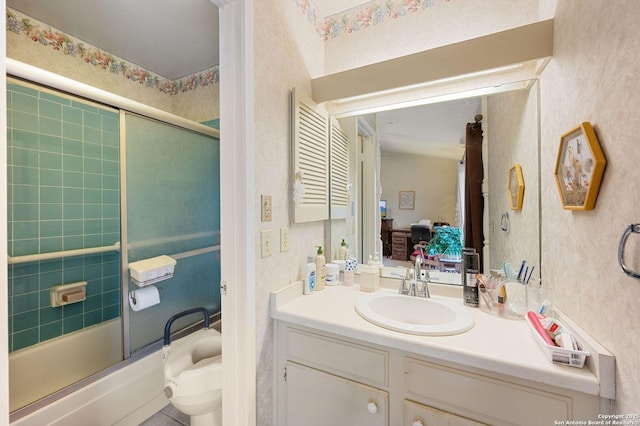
point(423, 415)
point(315, 398)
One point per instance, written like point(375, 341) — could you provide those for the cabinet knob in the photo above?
point(372, 407)
point(418, 423)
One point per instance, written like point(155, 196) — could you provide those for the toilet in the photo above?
point(193, 374)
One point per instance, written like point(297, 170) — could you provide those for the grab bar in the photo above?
point(633, 228)
point(60, 254)
point(167, 326)
point(196, 252)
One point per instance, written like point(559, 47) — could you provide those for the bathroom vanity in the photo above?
point(334, 367)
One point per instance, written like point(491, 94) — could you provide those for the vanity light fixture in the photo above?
point(474, 93)
point(431, 83)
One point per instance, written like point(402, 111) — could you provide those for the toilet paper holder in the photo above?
point(153, 270)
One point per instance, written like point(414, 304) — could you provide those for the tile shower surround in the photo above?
point(63, 194)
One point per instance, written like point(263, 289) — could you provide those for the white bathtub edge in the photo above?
point(130, 394)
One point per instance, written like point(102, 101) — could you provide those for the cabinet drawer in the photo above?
point(482, 398)
point(355, 362)
point(315, 398)
point(418, 414)
point(399, 240)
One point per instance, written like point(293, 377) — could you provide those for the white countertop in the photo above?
point(494, 344)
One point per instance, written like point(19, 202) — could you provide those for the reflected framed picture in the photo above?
point(579, 168)
point(516, 187)
point(407, 200)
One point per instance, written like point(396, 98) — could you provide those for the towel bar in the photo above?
point(633, 228)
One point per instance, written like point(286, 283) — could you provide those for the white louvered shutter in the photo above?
point(339, 171)
point(311, 158)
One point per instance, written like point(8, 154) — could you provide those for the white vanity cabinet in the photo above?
point(326, 379)
point(489, 399)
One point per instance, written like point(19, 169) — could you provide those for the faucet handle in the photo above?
point(424, 289)
point(403, 287)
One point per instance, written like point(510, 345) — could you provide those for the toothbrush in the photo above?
point(537, 325)
point(530, 273)
point(520, 270)
point(506, 266)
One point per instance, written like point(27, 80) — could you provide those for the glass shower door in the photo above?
point(172, 208)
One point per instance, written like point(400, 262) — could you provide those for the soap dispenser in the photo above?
point(342, 251)
point(321, 269)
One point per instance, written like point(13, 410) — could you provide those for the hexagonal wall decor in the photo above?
point(579, 168)
point(516, 187)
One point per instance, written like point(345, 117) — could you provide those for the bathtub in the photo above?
point(42, 369)
point(124, 394)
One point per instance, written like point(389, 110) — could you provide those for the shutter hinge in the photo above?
point(285, 374)
point(223, 288)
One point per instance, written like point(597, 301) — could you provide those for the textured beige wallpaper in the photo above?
point(593, 77)
point(287, 52)
point(512, 137)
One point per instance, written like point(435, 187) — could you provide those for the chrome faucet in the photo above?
point(417, 273)
point(412, 289)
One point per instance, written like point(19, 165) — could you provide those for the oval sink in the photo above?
point(414, 315)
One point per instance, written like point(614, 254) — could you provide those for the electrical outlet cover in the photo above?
point(284, 239)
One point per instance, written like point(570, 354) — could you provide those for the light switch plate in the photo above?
point(265, 202)
point(266, 243)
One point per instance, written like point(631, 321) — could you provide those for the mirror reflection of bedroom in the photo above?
point(422, 177)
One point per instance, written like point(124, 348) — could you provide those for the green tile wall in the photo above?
point(63, 194)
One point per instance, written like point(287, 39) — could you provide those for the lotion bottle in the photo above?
point(321, 269)
point(309, 278)
point(342, 251)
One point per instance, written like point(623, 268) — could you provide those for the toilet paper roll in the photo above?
point(143, 298)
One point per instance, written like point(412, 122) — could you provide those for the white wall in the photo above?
point(433, 180)
point(593, 77)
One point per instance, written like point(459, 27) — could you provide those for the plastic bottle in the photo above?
point(470, 266)
point(342, 251)
point(349, 271)
point(309, 278)
point(321, 269)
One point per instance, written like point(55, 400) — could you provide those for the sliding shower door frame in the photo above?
point(48, 79)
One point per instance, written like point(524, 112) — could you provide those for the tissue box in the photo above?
point(369, 278)
point(152, 269)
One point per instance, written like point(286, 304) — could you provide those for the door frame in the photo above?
point(237, 215)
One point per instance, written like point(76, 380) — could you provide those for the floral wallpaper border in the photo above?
point(43, 34)
point(358, 18)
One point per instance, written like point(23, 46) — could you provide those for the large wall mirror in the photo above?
point(405, 119)
point(411, 157)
